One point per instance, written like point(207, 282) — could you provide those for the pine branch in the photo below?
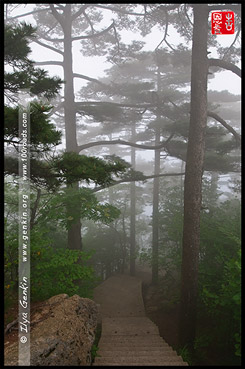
point(123, 105)
point(57, 108)
point(49, 63)
point(79, 12)
point(226, 125)
point(144, 178)
point(94, 34)
point(49, 47)
point(219, 119)
point(115, 9)
point(90, 79)
point(226, 65)
point(126, 143)
point(77, 38)
point(29, 13)
point(234, 41)
point(57, 15)
point(166, 30)
point(52, 39)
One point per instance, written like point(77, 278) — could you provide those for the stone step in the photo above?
point(128, 338)
point(171, 355)
point(137, 341)
point(172, 363)
point(139, 352)
point(128, 319)
point(139, 320)
point(135, 347)
point(134, 343)
point(128, 326)
point(129, 360)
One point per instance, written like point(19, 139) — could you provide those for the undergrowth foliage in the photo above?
point(219, 268)
point(55, 269)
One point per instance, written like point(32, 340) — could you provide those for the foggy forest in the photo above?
point(122, 193)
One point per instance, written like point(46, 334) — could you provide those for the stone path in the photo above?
point(128, 337)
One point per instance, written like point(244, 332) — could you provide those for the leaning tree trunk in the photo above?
point(193, 177)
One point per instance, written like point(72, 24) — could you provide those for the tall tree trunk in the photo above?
point(181, 184)
point(156, 182)
point(155, 211)
point(110, 189)
point(193, 177)
point(124, 242)
point(132, 210)
point(74, 231)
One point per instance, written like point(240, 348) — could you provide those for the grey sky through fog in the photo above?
point(95, 66)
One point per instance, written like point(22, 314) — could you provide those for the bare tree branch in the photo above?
point(79, 12)
point(91, 27)
point(48, 47)
point(57, 108)
point(52, 39)
point(43, 35)
point(29, 13)
point(123, 105)
point(186, 13)
point(226, 65)
point(57, 15)
point(118, 10)
point(235, 39)
point(219, 119)
point(144, 178)
point(125, 143)
point(94, 34)
point(226, 125)
point(168, 44)
point(89, 22)
point(166, 30)
point(77, 38)
point(82, 76)
point(49, 63)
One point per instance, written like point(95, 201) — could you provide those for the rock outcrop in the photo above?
point(62, 333)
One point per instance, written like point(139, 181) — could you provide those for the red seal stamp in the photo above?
point(222, 23)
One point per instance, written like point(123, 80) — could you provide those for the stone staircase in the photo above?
point(128, 337)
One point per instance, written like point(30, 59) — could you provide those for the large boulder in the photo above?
point(62, 333)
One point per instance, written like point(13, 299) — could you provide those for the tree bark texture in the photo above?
point(132, 212)
point(193, 177)
point(155, 214)
point(156, 184)
point(74, 232)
